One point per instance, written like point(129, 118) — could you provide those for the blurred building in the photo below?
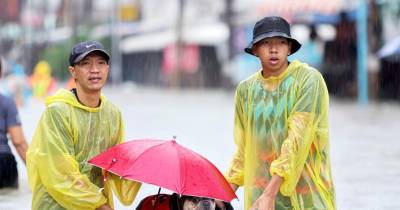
point(10, 11)
point(190, 26)
point(387, 47)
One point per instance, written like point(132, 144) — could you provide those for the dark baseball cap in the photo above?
point(82, 49)
point(272, 26)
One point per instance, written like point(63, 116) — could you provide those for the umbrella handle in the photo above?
point(106, 170)
point(105, 176)
point(158, 194)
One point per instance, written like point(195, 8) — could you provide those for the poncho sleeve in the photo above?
point(303, 124)
point(57, 167)
point(125, 190)
point(235, 174)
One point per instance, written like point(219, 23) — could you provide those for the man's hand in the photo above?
point(264, 202)
point(104, 207)
point(267, 200)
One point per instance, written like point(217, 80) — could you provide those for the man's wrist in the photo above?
point(273, 186)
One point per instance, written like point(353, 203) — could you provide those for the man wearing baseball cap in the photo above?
point(281, 127)
point(77, 125)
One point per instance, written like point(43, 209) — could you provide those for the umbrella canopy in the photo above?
point(166, 164)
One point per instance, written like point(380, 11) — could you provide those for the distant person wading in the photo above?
point(10, 124)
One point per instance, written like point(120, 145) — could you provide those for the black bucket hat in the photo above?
point(82, 49)
point(272, 26)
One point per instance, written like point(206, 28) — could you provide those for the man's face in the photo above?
point(273, 53)
point(91, 73)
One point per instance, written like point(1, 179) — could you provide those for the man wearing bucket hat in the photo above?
point(281, 127)
point(77, 125)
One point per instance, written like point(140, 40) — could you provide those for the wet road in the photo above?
point(365, 145)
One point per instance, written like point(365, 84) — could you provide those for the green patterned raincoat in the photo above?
point(281, 127)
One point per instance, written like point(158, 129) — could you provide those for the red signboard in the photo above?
point(9, 10)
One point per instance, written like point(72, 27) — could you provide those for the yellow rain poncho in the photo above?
point(281, 127)
point(41, 80)
point(67, 136)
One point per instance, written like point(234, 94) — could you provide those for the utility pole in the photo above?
point(177, 75)
point(116, 67)
point(362, 52)
point(29, 38)
point(228, 18)
point(229, 22)
point(74, 15)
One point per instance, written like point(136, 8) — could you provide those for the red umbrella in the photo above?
point(166, 164)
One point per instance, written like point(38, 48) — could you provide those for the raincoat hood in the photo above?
point(68, 97)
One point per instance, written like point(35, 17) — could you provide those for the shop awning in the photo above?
point(210, 34)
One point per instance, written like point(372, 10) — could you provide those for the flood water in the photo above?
point(365, 148)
